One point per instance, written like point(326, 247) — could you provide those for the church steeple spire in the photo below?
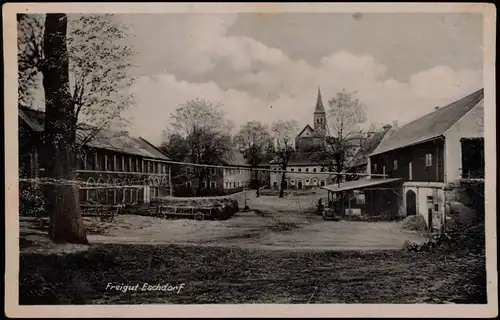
point(319, 103)
point(319, 115)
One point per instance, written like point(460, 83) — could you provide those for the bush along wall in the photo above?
point(465, 204)
point(31, 200)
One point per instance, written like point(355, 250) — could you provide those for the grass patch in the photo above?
point(225, 275)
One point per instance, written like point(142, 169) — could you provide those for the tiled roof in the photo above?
point(305, 158)
point(361, 157)
point(236, 158)
point(429, 126)
point(117, 141)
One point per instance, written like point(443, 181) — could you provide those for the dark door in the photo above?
point(430, 217)
point(411, 203)
point(300, 185)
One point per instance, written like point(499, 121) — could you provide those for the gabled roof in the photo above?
point(118, 141)
point(236, 158)
point(307, 126)
point(361, 156)
point(430, 126)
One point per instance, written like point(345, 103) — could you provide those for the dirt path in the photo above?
point(279, 224)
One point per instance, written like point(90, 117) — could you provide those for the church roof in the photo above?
point(319, 104)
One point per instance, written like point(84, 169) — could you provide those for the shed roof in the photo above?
point(429, 126)
point(358, 184)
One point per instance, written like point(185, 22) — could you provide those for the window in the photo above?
point(409, 171)
point(300, 170)
point(360, 199)
point(430, 199)
point(314, 169)
point(188, 184)
point(436, 207)
point(383, 170)
point(375, 168)
point(428, 160)
point(188, 170)
point(118, 162)
point(292, 181)
point(395, 165)
point(239, 184)
point(212, 184)
point(330, 169)
point(315, 181)
point(81, 161)
point(307, 169)
point(307, 181)
point(203, 185)
point(291, 169)
point(101, 162)
point(212, 170)
point(133, 164)
point(151, 167)
point(322, 169)
point(126, 166)
point(322, 183)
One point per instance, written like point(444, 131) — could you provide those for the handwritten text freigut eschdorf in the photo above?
point(145, 287)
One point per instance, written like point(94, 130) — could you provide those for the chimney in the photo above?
point(387, 127)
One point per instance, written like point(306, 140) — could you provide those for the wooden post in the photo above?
point(170, 180)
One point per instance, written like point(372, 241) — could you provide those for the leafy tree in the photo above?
point(283, 133)
point(207, 134)
point(344, 134)
point(100, 68)
point(85, 63)
point(253, 141)
point(66, 223)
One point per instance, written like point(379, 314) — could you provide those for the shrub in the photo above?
point(31, 201)
point(471, 240)
point(414, 223)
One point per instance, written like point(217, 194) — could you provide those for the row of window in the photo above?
point(119, 163)
point(116, 196)
point(213, 184)
point(214, 171)
point(306, 169)
point(315, 182)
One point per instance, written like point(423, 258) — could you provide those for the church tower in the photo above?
point(320, 116)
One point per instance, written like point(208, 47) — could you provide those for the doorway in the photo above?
point(411, 203)
point(299, 184)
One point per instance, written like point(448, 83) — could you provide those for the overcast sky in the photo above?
point(268, 66)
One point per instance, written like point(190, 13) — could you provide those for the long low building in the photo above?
point(112, 167)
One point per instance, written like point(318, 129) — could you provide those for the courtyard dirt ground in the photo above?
point(275, 224)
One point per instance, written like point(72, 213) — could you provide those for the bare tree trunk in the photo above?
point(282, 187)
point(257, 180)
point(66, 224)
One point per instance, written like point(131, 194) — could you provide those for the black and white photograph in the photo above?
point(296, 156)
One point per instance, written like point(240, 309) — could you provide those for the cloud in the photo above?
point(296, 84)
point(267, 85)
point(261, 82)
